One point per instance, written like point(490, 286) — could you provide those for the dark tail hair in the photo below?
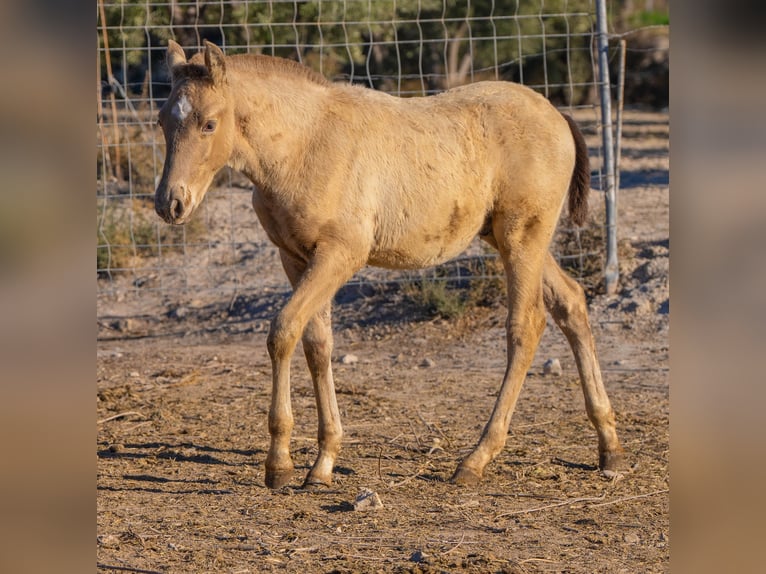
point(579, 185)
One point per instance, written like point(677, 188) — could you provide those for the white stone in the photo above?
point(552, 367)
point(367, 500)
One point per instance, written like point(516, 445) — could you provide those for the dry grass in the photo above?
point(581, 251)
point(128, 232)
point(455, 287)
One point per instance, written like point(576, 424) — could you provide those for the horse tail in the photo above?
point(579, 185)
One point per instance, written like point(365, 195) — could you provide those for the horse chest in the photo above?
point(288, 227)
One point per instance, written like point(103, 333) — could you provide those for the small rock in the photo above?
point(552, 367)
point(638, 306)
point(436, 446)
point(179, 312)
point(135, 374)
point(428, 363)
point(367, 500)
point(116, 447)
point(125, 325)
point(418, 556)
point(349, 359)
point(109, 541)
point(631, 538)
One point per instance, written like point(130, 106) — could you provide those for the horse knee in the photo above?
point(281, 340)
point(533, 319)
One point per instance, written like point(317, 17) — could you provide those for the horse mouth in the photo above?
point(171, 218)
point(180, 219)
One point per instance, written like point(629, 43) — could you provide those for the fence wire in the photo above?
point(404, 47)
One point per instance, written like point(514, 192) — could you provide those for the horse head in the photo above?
point(198, 124)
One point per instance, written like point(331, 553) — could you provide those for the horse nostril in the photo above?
point(176, 208)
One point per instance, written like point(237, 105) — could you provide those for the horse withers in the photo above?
point(346, 177)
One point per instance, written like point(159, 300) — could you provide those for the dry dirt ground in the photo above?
point(182, 399)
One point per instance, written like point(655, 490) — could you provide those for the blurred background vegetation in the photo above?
point(410, 47)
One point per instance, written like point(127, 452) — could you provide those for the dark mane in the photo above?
point(191, 70)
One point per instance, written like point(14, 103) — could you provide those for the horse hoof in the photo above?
point(276, 479)
point(465, 477)
point(612, 461)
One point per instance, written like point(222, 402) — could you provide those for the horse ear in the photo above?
point(214, 60)
point(175, 56)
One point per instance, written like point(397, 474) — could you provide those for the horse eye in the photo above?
point(209, 127)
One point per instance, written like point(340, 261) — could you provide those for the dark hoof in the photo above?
point(276, 479)
point(465, 477)
point(613, 461)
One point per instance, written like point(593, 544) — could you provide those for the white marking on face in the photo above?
point(182, 109)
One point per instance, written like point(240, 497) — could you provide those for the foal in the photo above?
point(346, 177)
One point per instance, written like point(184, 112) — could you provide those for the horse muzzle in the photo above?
point(173, 205)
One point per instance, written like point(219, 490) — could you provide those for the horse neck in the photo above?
point(277, 116)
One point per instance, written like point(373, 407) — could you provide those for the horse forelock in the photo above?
point(190, 71)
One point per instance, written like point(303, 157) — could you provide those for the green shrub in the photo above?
point(456, 287)
point(433, 295)
point(650, 18)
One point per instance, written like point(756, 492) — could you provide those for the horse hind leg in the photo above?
point(565, 301)
point(522, 251)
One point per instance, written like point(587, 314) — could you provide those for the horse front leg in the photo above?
point(281, 344)
point(317, 347)
point(565, 301)
point(314, 286)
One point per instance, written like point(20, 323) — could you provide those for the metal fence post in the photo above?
point(612, 271)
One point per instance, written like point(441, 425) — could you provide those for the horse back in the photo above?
point(429, 172)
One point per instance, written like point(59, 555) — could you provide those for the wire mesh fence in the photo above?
point(409, 48)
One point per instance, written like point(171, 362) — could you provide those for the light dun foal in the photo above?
point(346, 177)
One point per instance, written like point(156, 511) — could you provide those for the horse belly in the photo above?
point(418, 246)
point(408, 258)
